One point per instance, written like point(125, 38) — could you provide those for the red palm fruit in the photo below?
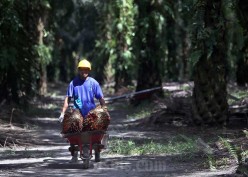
point(73, 121)
point(97, 119)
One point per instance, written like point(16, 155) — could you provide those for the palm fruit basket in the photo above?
point(96, 119)
point(73, 121)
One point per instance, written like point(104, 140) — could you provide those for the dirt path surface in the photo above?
point(49, 156)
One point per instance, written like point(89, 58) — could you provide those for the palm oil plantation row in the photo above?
point(138, 43)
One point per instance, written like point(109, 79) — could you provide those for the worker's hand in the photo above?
point(105, 108)
point(61, 117)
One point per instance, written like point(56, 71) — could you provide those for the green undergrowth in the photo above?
point(238, 94)
point(177, 145)
point(235, 153)
point(141, 111)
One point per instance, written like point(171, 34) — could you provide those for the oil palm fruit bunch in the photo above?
point(73, 121)
point(97, 119)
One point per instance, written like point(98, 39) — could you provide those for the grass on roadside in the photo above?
point(235, 155)
point(141, 111)
point(214, 163)
point(175, 146)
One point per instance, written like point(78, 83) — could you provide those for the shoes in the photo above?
point(74, 158)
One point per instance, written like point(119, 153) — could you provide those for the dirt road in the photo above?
point(49, 155)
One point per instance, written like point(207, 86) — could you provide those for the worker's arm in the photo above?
point(103, 104)
point(65, 106)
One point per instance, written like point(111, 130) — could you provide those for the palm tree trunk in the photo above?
point(209, 94)
point(242, 62)
point(149, 59)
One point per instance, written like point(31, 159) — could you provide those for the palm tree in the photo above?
point(242, 62)
point(24, 62)
point(149, 45)
point(209, 93)
point(124, 29)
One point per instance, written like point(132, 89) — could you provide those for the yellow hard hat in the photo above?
point(84, 64)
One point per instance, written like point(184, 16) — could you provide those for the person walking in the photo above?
point(82, 89)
